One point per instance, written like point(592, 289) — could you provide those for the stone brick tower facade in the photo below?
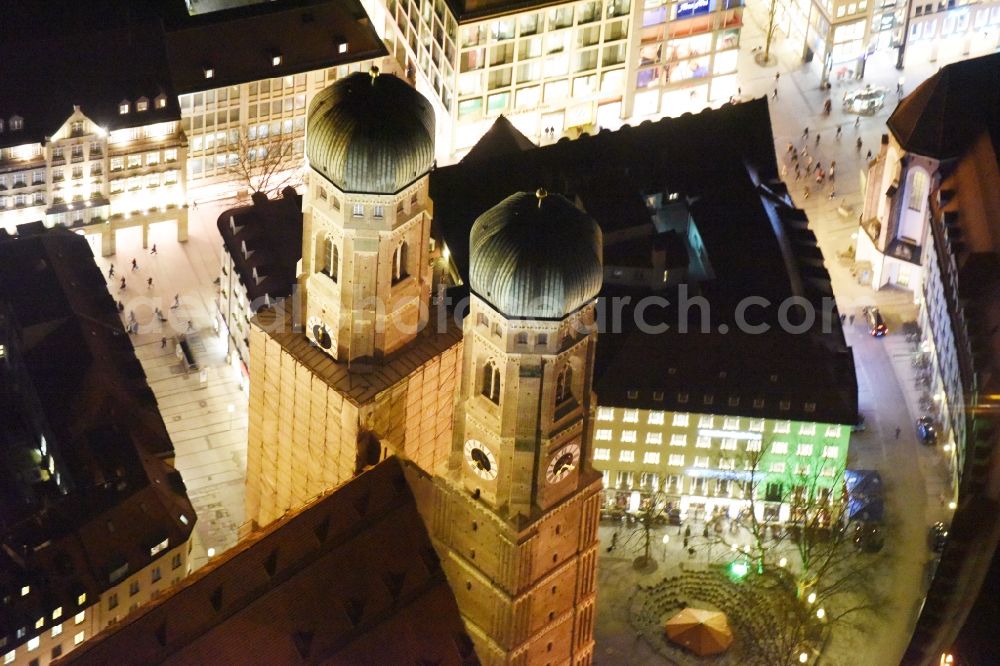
point(366, 275)
point(515, 516)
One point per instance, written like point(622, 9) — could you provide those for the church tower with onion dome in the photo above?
point(515, 516)
point(366, 229)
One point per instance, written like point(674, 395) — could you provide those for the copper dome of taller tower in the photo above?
point(370, 133)
point(535, 256)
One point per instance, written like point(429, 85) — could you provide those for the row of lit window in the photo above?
point(151, 180)
point(704, 462)
point(141, 104)
point(683, 419)
point(76, 150)
point(135, 160)
point(753, 445)
point(531, 24)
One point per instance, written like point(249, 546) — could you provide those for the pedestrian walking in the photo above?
point(774, 95)
point(832, 172)
point(857, 122)
point(809, 163)
point(163, 343)
point(805, 133)
point(121, 307)
point(784, 170)
point(687, 533)
point(798, 172)
point(190, 325)
point(898, 430)
point(777, 75)
point(153, 249)
point(851, 319)
point(135, 265)
point(123, 284)
point(806, 187)
point(704, 532)
point(149, 283)
point(869, 156)
point(131, 315)
point(833, 193)
point(858, 144)
point(685, 542)
point(838, 133)
point(843, 317)
point(177, 302)
point(790, 148)
point(111, 271)
point(817, 138)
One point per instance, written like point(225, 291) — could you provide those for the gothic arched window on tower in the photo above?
point(328, 258)
point(491, 382)
point(399, 260)
point(564, 385)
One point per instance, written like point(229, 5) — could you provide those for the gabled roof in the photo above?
point(502, 138)
point(350, 579)
point(947, 111)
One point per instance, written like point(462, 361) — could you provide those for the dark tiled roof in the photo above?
point(947, 111)
point(722, 163)
point(350, 579)
point(72, 377)
point(272, 231)
point(501, 138)
point(61, 53)
point(239, 43)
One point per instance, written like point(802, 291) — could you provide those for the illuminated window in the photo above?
point(703, 442)
point(728, 444)
point(26, 590)
point(358, 210)
point(680, 419)
point(676, 459)
point(918, 190)
point(783, 427)
point(804, 450)
point(706, 421)
point(142, 105)
point(9, 657)
point(807, 429)
point(39, 623)
point(80, 617)
point(727, 463)
point(651, 458)
point(123, 108)
point(605, 413)
point(678, 439)
point(33, 643)
point(631, 416)
point(56, 630)
point(626, 456)
point(654, 438)
point(161, 102)
point(400, 262)
point(78, 638)
point(602, 454)
point(603, 435)
point(564, 385)
point(779, 448)
point(731, 423)
point(82, 599)
point(701, 461)
point(184, 519)
point(134, 161)
point(57, 613)
point(777, 468)
point(112, 600)
point(209, 72)
point(831, 452)
point(833, 431)
point(756, 425)
point(276, 60)
point(628, 436)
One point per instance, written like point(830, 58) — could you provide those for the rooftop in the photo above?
point(351, 578)
point(271, 232)
point(743, 235)
point(85, 492)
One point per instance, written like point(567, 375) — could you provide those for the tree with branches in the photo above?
point(266, 164)
point(639, 538)
point(764, 58)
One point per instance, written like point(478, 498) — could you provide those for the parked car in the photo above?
point(868, 537)
point(937, 537)
point(926, 431)
point(865, 101)
point(876, 324)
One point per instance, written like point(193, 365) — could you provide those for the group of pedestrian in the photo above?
point(132, 324)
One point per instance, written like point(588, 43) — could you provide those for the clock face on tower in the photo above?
point(562, 462)
point(319, 332)
point(482, 461)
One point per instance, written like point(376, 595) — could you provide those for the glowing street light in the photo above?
point(820, 613)
point(803, 657)
point(783, 562)
point(811, 598)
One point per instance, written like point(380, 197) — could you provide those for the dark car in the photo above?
point(937, 536)
point(876, 324)
point(868, 538)
point(926, 431)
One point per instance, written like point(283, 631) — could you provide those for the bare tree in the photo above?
point(772, 25)
point(266, 164)
point(639, 537)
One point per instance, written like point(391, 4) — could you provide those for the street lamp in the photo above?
point(820, 613)
point(811, 598)
point(803, 657)
point(666, 540)
point(783, 562)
